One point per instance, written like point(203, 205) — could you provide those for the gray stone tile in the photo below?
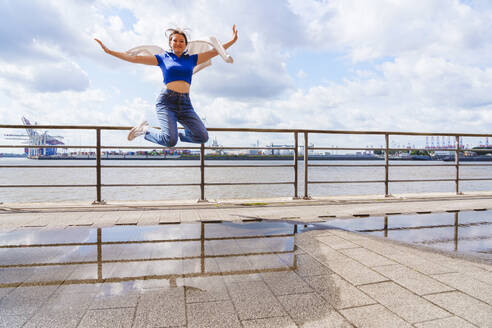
point(253, 300)
point(55, 319)
point(376, 316)
point(5, 291)
point(212, 314)
point(464, 306)
point(311, 310)
point(161, 308)
point(25, 300)
point(354, 272)
point(366, 257)
point(416, 282)
point(309, 266)
point(336, 242)
point(79, 288)
point(15, 275)
point(230, 279)
point(414, 259)
point(451, 322)
point(13, 321)
point(278, 322)
point(284, 283)
point(325, 254)
point(114, 301)
point(110, 318)
point(468, 285)
point(61, 301)
point(405, 304)
point(206, 289)
point(338, 292)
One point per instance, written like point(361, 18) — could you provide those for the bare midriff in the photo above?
point(179, 86)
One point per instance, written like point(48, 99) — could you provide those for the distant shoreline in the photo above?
point(234, 157)
point(261, 158)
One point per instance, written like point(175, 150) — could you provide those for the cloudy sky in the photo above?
point(398, 65)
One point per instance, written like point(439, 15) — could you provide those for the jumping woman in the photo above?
point(173, 104)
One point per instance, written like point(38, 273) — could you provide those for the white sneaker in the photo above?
point(139, 130)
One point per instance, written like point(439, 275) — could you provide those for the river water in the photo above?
point(70, 176)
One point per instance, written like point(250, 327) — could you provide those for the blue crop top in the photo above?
point(176, 68)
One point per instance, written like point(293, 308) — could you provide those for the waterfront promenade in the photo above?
point(333, 278)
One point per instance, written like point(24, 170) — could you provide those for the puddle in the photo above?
point(206, 274)
point(467, 232)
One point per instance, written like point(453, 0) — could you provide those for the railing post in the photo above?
point(99, 255)
point(306, 166)
point(98, 200)
point(456, 227)
point(296, 159)
point(386, 167)
point(457, 164)
point(202, 174)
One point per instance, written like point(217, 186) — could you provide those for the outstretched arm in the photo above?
point(204, 56)
point(147, 60)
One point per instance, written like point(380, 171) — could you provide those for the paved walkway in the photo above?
point(155, 212)
point(331, 278)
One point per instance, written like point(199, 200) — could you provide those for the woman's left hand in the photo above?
point(234, 33)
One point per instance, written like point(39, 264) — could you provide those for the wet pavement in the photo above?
point(254, 273)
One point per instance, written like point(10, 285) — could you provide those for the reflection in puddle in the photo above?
point(191, 274)
point(207, 274)
point(125, 253)
point(465, 232)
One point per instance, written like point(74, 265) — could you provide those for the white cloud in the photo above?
point(422, 65)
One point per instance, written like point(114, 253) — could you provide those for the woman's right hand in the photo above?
point(106, 50)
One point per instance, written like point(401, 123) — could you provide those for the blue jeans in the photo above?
point(173, 107)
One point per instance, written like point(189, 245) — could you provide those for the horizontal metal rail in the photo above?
point(343, 132)
point(347, 181)
point(389, 161)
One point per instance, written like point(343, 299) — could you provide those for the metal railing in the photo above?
point(295, 159)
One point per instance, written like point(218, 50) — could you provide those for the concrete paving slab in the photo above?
point(108, 318)
point(278, 322)
point(326, 254)
point(114, 301)
point(464, 306)
point(374, 316)
point(309, 266)
point(161, 308)
point(366, 257)
point(254, 300)
point(5, 291)
point(354, 272)
point(61, 301)
point(311, 310)
point(403, 303)
point(25, 300)
point(169, 216)
point(468, 285)
point(56, 319)
point(209, 289)
point(284, 283)
point(478, 271)
point(219, 314)
point(452, 322)
point(338, 292)
point(414, 281)
point(13, 321)
point(149, 218)
point(336, 242)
